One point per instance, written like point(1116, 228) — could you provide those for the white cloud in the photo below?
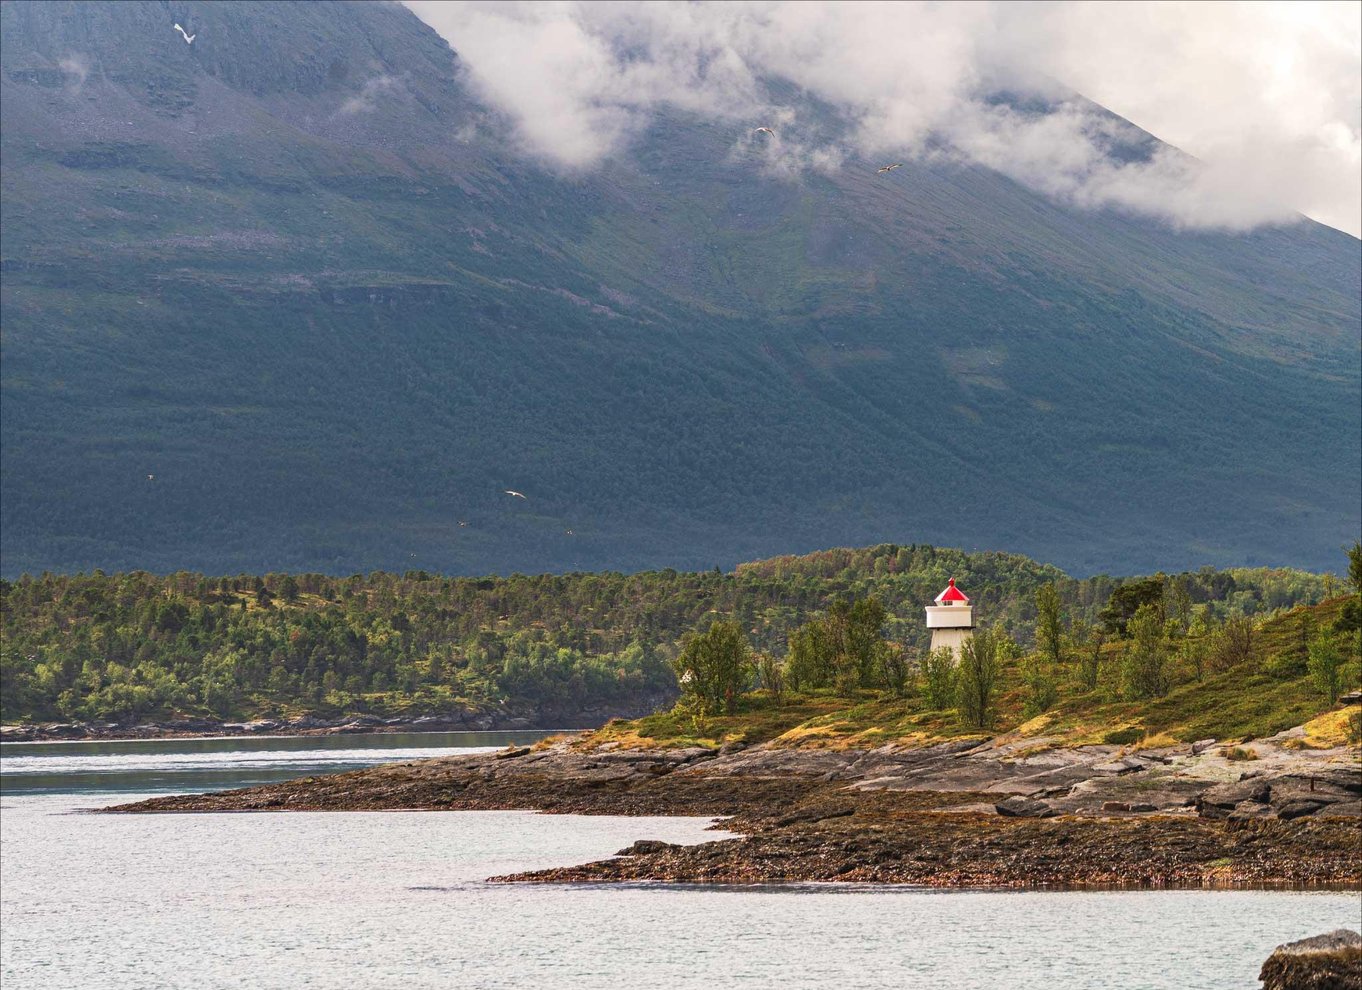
point(367, 97)
point(1266, 97)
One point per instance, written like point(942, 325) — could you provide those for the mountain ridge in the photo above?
point(335, 330)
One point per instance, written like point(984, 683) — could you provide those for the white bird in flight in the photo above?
point(889, 168)
point(188, 38)
point(765, 130)
point(516, 494)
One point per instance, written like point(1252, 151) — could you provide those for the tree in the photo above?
point(1355, 566)
point(1146, 661)
point(977, 676)
point(1232, 643)
point(772, 678)
point(1128, 599)
point(812, 656)
point(896, 670)
point(1180, 602)
point(715, 667)
point(288, 589)
point(845, 647)
point(1050, 623)
point(938, 669)
point(1041, 690)
point(1088, 640)
point(1326, 665)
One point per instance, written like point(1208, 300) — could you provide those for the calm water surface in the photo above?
point(394, 899)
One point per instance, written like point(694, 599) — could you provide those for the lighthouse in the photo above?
point(951, 620)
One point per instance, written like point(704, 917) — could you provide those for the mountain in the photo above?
point(288, 299)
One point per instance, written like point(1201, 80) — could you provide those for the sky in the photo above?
point(1265, 99)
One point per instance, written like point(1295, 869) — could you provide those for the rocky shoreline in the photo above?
point(469, 720)
point(1003, 812)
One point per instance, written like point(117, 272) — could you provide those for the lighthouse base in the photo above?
point(952, 639)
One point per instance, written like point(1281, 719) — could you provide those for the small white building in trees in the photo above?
point(951, 620)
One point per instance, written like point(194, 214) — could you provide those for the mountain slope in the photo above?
point(322, 302)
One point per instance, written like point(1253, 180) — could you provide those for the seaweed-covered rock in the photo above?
point(1332, 961)
point(1023, 807)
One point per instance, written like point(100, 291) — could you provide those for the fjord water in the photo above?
point(386, 899)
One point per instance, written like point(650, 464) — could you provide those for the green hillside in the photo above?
point(272, 310)
point(135, 645)
point(1267, 689)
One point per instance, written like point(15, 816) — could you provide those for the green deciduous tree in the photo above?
point(1325, 664)
point(1146, 673)
point(715, 667)
point(938, 671)
point(977, 676)
point(1050, 623)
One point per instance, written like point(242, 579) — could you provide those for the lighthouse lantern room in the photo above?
point(951, 619)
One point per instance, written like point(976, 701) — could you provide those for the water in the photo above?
point(397, 899)
point(180, 765)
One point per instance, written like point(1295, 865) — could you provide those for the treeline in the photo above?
point(123, 646)
point(1151, 637)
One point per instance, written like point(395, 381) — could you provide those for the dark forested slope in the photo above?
point(283, 304)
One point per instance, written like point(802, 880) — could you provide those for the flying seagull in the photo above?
point(516, 494)
point(151, 477)
point(188, 38)
point(765, 130)
point(889, 168)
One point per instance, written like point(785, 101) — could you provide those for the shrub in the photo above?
point(938, 669)
point(1285, 666)
point(1124, 737)
point(1232, 644)
point(896, 670)
point(1238, 753)
point(1041, 690)
point(1325, 663)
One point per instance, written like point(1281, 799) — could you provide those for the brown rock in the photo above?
point(1326, 962)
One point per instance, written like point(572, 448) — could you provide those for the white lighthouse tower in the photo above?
point(951, 620)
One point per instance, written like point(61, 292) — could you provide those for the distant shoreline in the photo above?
point(287, 728)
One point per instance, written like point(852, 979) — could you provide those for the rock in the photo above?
point(1298, 809)
point(1201, 745)
point(1249, 809)
point(1143, 808)
point(1126, 764)
point(1227, 795)
point(1023, 807)
point(1326, 962)
point(511, 752)
point(643, 847)
point(1351, 698)
point(16, 733)
point(1115, 806)
point(1342, 809)
point(815, 815)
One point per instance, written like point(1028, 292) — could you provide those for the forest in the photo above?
point(127, 646)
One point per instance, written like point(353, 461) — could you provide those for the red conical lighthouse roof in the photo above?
point(951, 594)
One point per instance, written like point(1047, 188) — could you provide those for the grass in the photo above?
point(1235, 706)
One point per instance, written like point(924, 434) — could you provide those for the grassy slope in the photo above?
point(1241, 703)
